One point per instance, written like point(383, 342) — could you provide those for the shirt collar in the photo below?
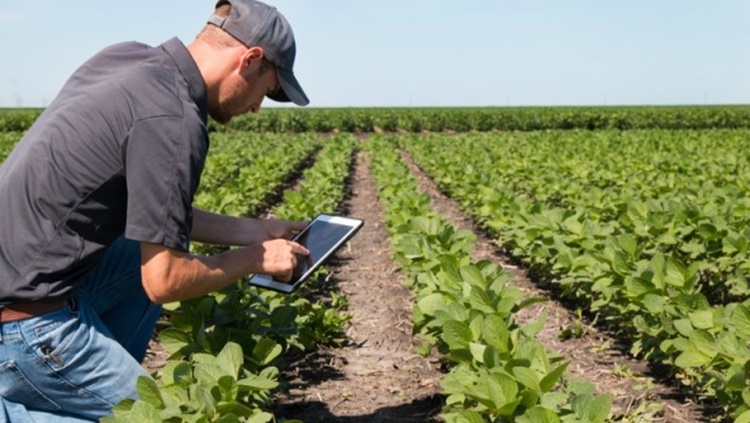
point(185, 63)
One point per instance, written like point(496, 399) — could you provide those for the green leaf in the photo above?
point(257, 383)
point(173, 340)
point(169, 373)
point(283, 316)
point(479, 300)
point(552, 378)
point(702, 319)
point(228, 418)
point(491, 357)
point(528, 378)
point(209, 373)
point(538, 415)
point(529, 301)
point(495, 333)
point(474, 276)
point(743, 418)
point(182, 374)
point(458, 380)
point(235, 408)
point(553, 400)
point(171, 306)
point(684, 327)
point(741, 320)
point(266, 351)
point(675, 273)
point(628, 243)
point(229, 388)
point(124, 405)
point(501, 389)
point(144, 412)
point(456, 334)
point(203, 399)
point(620, 264)
point(430, 303)
point(600, 408)
point(581, 387)
point(148, 391)
point(260, 417)
point(637, 286)
point(692, 358)
point(694, 249)
point(654, 303)
point(465, 416)
point(230, 358)
point(704, 342)
point(477, 351)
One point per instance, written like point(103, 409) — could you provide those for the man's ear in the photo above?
point(251, 56)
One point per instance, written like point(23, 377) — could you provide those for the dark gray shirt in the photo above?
point(119, 151)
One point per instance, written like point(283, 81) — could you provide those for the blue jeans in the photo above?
point(75, 363)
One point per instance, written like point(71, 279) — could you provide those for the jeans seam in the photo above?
point(11, 365)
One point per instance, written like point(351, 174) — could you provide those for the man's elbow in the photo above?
point(157, 289)
point(158, 276)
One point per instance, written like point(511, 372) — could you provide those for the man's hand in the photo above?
point(169, 275)
point(280, 258)
point(276, 228)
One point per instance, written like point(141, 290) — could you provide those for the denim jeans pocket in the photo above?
point(51, 340)
point(16, 387)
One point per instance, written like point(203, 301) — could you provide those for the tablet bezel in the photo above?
point(267, 281)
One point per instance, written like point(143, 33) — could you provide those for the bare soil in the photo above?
point(377, 376)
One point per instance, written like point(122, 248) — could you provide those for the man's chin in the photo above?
point(222, 118)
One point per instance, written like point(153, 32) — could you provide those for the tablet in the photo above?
point(322, 237)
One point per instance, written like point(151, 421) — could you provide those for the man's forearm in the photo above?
point(213, 228)
point(172, 276)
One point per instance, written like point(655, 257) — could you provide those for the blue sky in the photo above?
point(426, 53)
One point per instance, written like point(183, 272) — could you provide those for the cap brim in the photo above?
point(290, 89)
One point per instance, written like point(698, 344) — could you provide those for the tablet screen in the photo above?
point(319, 239)
point(322, 238)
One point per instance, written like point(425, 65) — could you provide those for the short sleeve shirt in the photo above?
point(118, 152)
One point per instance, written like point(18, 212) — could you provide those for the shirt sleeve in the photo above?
point(163, 163)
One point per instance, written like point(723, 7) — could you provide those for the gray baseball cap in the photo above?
point(254, 23)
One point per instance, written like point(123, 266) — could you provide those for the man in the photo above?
point(96, 210)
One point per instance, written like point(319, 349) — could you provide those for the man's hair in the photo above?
point(265, 66)
point(216, 36)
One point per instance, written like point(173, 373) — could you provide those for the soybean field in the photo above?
point(516, 265)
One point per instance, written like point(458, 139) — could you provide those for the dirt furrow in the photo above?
point(378, 376)
point(593, 355)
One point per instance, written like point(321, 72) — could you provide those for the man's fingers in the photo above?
point(286, 277)
point(281, 257)
point(299, 249)
point(286, 228)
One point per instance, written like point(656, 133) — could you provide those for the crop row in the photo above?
point(240, 177)
point(499, 118)
point(461, 119)
point(17, 120)
point(614, 262)
point(684, 194)
point(227, 347)
point(8, 140)
point(466, 312)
